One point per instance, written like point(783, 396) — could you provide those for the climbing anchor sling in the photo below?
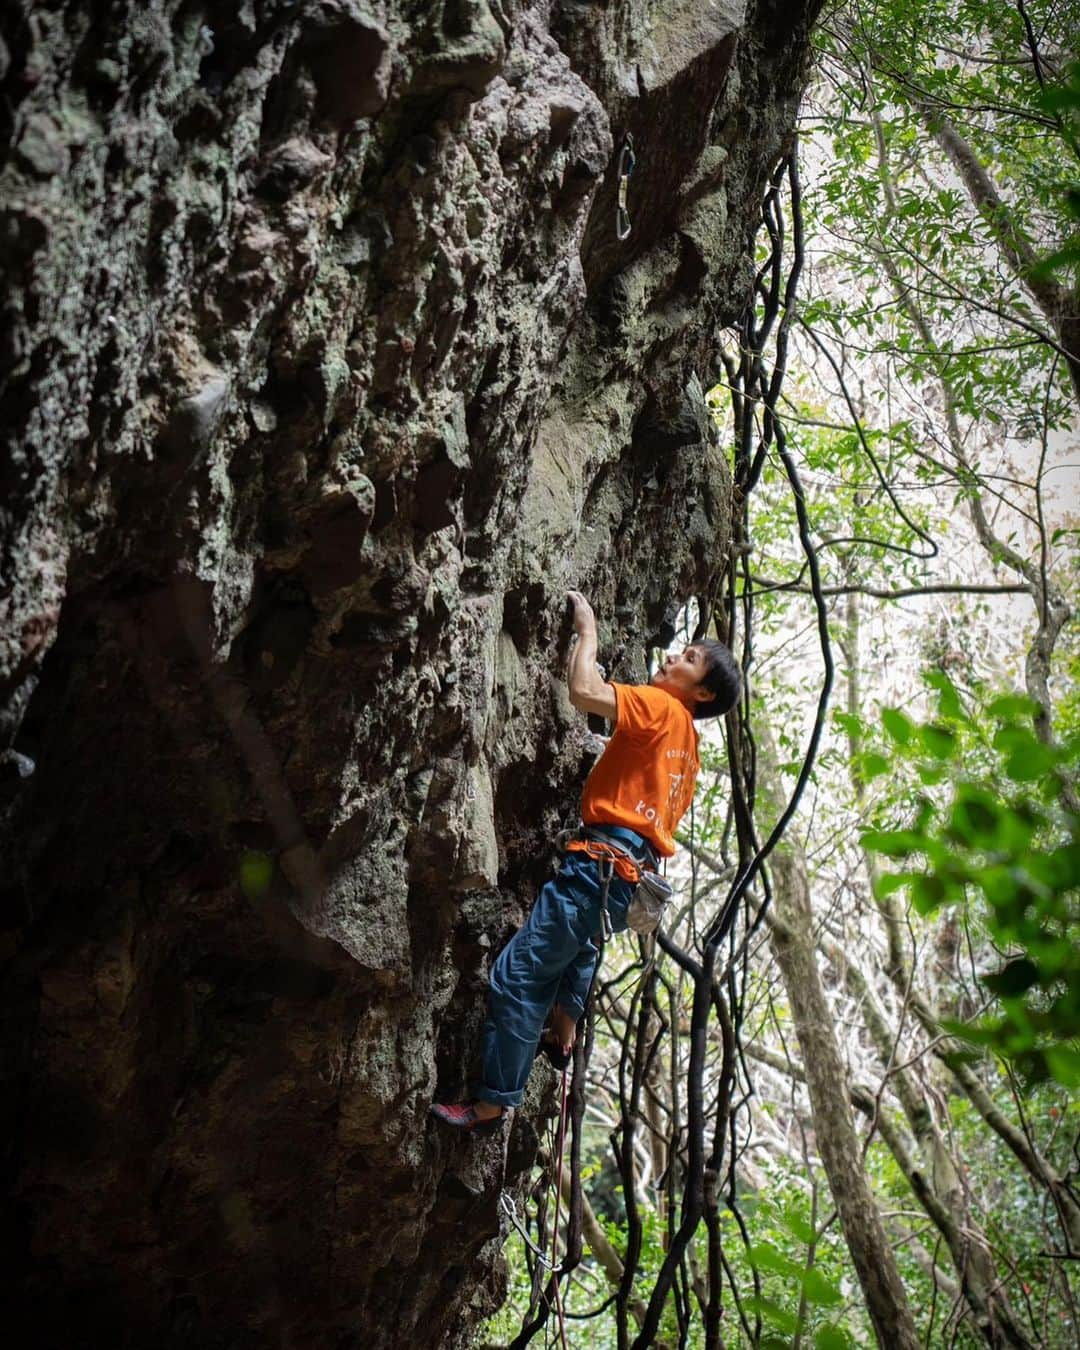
point(651, 892)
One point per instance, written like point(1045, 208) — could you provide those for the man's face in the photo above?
point(682, 675)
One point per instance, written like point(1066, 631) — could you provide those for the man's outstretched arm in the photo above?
point(588, 691)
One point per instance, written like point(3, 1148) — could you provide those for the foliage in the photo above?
point(915, 268)
point(1002, 834)
point(921, 369)
point(1061, 101)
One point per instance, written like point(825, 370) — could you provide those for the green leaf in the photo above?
point(886, 883)
point(1001, 885)
point(871, 765)
point(893, 843)
point(948, 698)
point(1064, 1064)
point(927, 892)
point(831, 1338)
point(937, 739)
point(1013, 979)
point(1011, 736)
point(1059, 98)
point(975, 816)
point(1010, 706)
point(795, 1221)
point(975, 1033)
point(772, 1312)
point(1028, 763)
point(849, 723)
point(897, 725)
point(764, 1256)
point(818, 1289)
point(1060, 868)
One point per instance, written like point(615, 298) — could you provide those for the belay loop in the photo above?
point(626, 168)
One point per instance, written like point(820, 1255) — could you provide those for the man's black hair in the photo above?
point(722, 678)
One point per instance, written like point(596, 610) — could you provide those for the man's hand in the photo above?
point(588, 690)
point(584, 618)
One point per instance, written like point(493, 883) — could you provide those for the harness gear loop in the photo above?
point(627, 161)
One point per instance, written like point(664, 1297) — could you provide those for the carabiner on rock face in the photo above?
point(626, 168)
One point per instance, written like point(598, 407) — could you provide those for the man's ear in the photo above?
point(703, 695)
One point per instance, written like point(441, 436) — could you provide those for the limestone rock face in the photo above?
point(323, 373)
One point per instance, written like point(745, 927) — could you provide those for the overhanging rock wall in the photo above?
point(323, 375)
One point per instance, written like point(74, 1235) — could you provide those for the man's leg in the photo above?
point(524, 982)
point(572, 994)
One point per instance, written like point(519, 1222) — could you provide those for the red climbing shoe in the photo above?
point(559, 1054)
point(464, 1117)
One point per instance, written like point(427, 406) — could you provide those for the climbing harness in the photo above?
point(652, 891)
point(594, 846)
point(627, 161)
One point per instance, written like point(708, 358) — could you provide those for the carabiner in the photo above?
point(626, 168)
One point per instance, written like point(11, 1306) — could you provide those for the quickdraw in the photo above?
point(506, 1204)
point(610, 861)
point(627, 161)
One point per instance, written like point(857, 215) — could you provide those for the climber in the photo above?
point(633, 799)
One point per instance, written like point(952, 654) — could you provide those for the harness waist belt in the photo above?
point(612, 843)
point(622, 836)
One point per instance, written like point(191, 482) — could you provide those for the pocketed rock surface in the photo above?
point(323, 374)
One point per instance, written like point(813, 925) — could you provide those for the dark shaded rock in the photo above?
point(324, 375)
point(348, 49)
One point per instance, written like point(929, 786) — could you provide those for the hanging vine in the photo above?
point(696, 1125)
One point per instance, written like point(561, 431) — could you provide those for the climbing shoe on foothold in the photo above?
point(464, 1117)
point(560, 1055)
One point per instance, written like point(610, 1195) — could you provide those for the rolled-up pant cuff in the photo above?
point(496, 1098)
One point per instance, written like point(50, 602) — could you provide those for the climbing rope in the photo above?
point(627, 161)
point(506, 1200)
point(606, 870)
point(559, 1314)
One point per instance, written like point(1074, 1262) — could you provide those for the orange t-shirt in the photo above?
point(645, 777)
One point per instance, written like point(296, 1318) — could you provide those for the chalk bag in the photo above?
point(647, 904)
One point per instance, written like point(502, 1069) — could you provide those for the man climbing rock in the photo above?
point(633, 800)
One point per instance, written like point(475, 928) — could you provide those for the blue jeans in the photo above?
point(549, 960)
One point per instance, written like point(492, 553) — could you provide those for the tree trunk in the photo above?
point(792, 942)
point(936, 1184)
point(1059, 304)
